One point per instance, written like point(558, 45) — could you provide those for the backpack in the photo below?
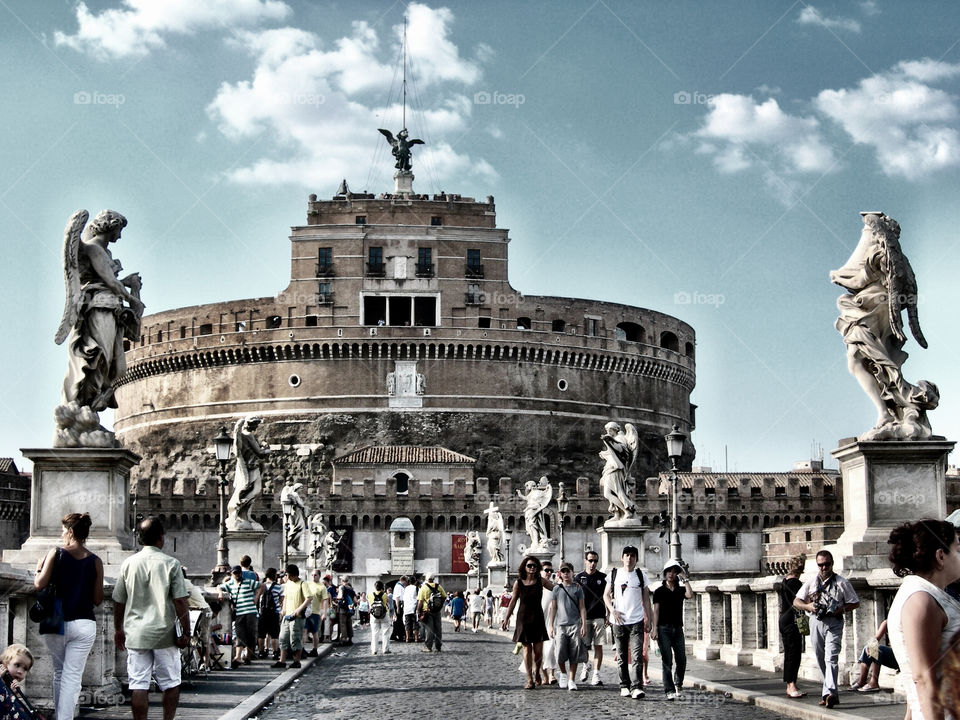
point(435, 602)
point(268, 603)
point(613, 576)
point(378, 608)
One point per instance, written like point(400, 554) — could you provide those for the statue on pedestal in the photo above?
point(248, 478)
point(471, 552)
point(619, 453)
point(880, 285)
point(319, 530)
point(401, 148)
point(494, 534)
point(537, 496)
point(331, 548)
point(100, 312)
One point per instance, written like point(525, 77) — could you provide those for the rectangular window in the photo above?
point(786, 537)
point(704, 541)
point(733, 492)
point(591, 326)
point(474, 296)
point(425, 311)
point(780, 492)
point(424, 262)
point(361, 220)
point(374, 310)
point(324, 293)
point(324, 261)
point(804, 491)
point(375, 261)
point(436, 220)
point(474, 267)
point(483, 322)
point(756, 492)
point(731, 541)
point(310, 321)
point(183, 331)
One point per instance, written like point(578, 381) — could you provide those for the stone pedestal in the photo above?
point(496, 576)
point(617, 534)
point(68, 480)
point(403, 182)
point(886, 483)
point(248, 542)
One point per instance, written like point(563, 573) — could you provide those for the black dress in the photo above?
point(531, 626)
point(792, 639)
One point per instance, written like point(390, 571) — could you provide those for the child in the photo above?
point(15, 663)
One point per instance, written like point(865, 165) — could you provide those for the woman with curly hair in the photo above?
point(923, 618)
point(531, 630)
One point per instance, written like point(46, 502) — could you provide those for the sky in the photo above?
point(708, 160)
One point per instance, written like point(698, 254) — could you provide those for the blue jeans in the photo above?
point(629, 643)
point(670, 640)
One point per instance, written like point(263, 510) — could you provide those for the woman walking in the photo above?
point(531, 628)
point(790, 636)
point(923, 618)
point(78, 576)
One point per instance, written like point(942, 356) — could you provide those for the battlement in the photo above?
point(439, 210)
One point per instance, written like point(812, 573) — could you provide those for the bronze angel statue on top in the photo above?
point(401, 148)
point(101, 311)
point(880, 285)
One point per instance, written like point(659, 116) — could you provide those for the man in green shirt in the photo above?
point(151, 620)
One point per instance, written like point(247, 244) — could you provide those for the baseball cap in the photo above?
point(237, 570)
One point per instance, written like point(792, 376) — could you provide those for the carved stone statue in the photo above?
point(401, 148)
point(101, 310)
point(619, 453)
point(298, 518)
point(881, 285)
point(318, 530)
point(331, 548)
point(248, 478)
point(494, 534)
point(471, 552)
point(537, 496)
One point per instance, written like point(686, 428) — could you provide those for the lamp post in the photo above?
point(507, 535)
point(674, 442)
point(563, 502)
point(287, 503)
point(222, 444)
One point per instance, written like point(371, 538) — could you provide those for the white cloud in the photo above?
point(910, 124)
point(740, 132)
point(141, 25)
point(322, 105)
point(811, 16)
point(869, 8)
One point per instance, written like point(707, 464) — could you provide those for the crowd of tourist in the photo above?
point(561, 620)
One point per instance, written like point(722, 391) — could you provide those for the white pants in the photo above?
point(69, 654)
point(380, 629)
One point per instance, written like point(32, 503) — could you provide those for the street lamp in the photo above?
point(675, 442)
point(563, 502)
point(507, 535)
point(286, 503)
point(222, 444)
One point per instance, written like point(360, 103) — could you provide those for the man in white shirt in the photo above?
point(627, 596)
point(411, 627)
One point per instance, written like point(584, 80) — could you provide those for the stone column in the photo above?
point(743, 624)
point(707, 646)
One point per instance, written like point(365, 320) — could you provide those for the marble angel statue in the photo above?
point(248, 478)
point(619, 453)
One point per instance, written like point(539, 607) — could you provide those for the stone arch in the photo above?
point(669, 341)
point(631, 332)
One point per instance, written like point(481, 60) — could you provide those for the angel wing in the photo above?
point(546, 495)
point(389, 136)
point(416, 141)
point(71, 273)
point(902, 295)
point(633, 443)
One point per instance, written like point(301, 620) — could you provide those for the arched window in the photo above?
point(524, 323)
point(631, 332)
point(403, 483)
point(669, 341)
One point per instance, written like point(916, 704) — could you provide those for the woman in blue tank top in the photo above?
point(78, 576)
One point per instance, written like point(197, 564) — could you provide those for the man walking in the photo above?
point(430, 604)
point(410, 626)
point(346, 606)
point(668, 626)
point(569, 613)
point(150, 599)
point(381, 619)
point(627, 597)
point(244, 596)
point(296, 598)
point(594, 584)
point(476, 609)
point(827, 597)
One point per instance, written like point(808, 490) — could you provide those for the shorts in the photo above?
point(268, 625)
point(312, 624)
point(410, 622)
point(161, 663)
point(291, 634)
point(478, 616)
point(245, 630)
point(567, 644)
point(594, 634)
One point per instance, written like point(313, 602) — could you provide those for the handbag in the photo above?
point(47, 609)
point(803, 623)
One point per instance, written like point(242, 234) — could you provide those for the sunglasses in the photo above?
point(565, 570)
point(826, 564)
point(531, 565)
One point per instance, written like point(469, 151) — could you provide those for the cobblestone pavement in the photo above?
point(475, 677)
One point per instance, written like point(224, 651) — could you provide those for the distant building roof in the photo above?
point(403, 455)
point(779, 479)
point(8, 467)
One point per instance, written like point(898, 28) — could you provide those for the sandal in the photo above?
point(868, 689)
point(796, 694)
point(529, 685)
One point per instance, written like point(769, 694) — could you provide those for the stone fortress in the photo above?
point(399, 328)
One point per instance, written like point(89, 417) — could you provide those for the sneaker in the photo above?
point(388, 652)
point(426, 649)
point(295, 664)
point(638, 694)
point(595, 680)
point(279, 665)
point(571, 686)
point(562, 681)
point(584, 673)
point(624, 692)
point(671, 696)
point(312, 653)
point(234, 664)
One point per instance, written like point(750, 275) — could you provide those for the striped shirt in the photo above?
point(242, 594)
